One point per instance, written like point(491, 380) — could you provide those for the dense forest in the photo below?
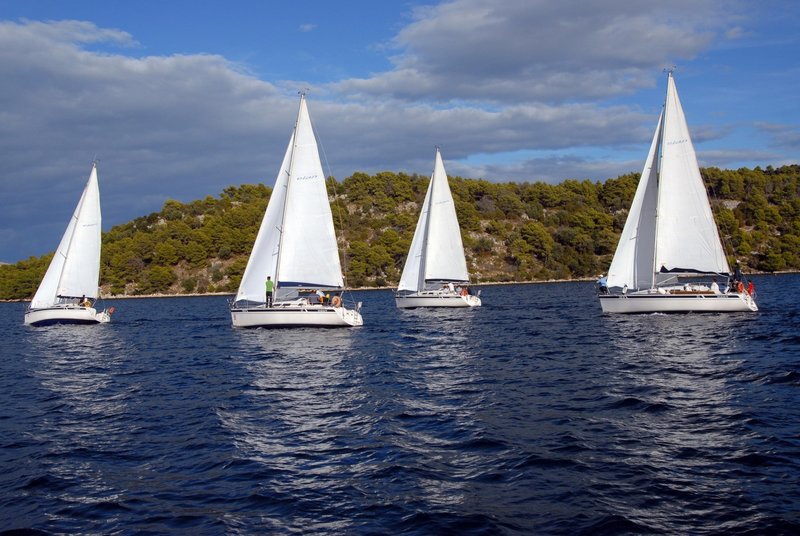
point(511, 231)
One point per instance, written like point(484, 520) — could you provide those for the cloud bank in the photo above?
point(517, 90)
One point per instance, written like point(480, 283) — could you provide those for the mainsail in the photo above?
point(436, 253)
point(296, 243)
point(670, 227)
point(75, 269)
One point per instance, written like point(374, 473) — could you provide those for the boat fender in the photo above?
point(336, 301)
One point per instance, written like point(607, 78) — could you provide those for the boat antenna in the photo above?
point(670, 69)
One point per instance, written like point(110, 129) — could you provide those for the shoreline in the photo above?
point(359, 289)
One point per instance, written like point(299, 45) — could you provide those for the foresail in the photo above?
point(263, 259)
point(308, 252)
point(632, 265)
point(75, 268)
point(444, 256)
point(411, 280)
point(687, 235)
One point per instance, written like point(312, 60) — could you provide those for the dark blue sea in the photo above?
point(534, 414)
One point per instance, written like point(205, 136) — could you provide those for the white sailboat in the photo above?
point(296, 247)
point(70, 286)
point(670, 254)
point(435, 273)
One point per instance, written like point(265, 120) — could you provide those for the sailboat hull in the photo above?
point(65, 315)
point(435, 299)
point(291, 316)
point(647, 302)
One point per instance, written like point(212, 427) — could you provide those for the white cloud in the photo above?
point(538, 50)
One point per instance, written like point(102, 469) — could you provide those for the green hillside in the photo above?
point(511, 231)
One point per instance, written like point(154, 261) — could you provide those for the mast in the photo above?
point(658, 177)
point(424, 257)
point(286, 196)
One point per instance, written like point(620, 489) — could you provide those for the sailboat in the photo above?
point(296, 248)
point(670, 255)
point(69, 288)
point(435, 273)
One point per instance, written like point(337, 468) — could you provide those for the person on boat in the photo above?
point(451, 288)
point(714, 286)
point(739, 287)
point(602, 284)
point(270, 286)
point(85, 302)
point(321, 297)
point(751, 288)
point(737, 274)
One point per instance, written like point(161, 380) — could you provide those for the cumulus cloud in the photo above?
point(538, 50)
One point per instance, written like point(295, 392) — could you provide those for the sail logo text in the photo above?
point(307, 177)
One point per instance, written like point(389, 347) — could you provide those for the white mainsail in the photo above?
point(75, 269)
point(296, 243)
point(670, 227)
point(436, 253)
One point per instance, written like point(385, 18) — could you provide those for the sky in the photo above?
point(181, 99)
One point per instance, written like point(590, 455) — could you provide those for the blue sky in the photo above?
point(180, 99)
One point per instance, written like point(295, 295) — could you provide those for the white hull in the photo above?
point(293, 314)
point(647, 302)
point(66, 315)
point(436, 299)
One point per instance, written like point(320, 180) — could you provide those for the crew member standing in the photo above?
point(270, 286)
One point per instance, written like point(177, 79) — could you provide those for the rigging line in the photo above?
point(726, 245)
point(336, 199)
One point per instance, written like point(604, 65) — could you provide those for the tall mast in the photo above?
point(658, 176)
point(288, 186)
point(424, 250)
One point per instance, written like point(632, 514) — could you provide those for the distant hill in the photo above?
point(511, 231)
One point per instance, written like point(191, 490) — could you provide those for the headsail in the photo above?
point(688, 239)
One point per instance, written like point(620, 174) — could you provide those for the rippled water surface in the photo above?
point(534, 414)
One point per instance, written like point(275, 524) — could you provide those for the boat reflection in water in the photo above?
point(673, 391)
